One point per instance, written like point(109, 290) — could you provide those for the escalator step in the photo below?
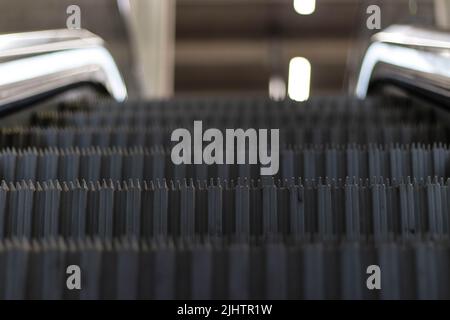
point(130, 269)
point(294, 209)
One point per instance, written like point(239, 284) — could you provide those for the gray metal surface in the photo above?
point(416, 57)
point(36, 63)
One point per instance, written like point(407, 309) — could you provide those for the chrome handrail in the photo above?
point(36, 63)
point(418, 58)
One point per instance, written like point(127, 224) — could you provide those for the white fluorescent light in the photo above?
point(305, 7)
point(299, 79)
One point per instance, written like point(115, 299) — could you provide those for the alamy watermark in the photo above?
point(73, 281)
point(374, 280)
point(251, 145)
point(374, 19)
point(74, 17)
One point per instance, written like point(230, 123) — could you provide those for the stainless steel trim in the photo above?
point(35, 63)
point(417, 57)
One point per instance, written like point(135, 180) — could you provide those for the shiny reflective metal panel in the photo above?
point(36, 63)
point(419, 58)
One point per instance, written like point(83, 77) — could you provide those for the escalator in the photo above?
point(363, 183)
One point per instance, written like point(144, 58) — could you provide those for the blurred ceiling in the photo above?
point(234, 45)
